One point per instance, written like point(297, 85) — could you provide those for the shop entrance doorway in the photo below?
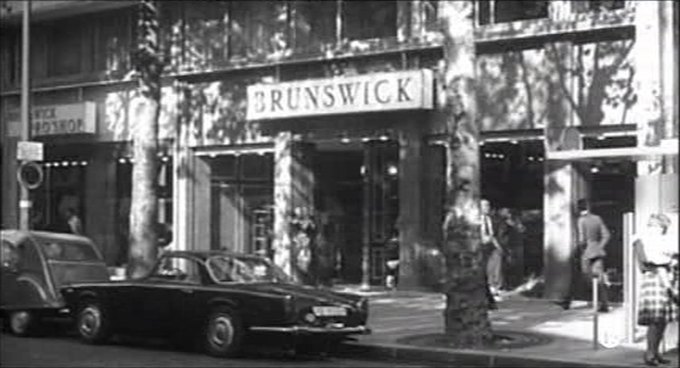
point(357, 202)
point(512, 181)
point(611, 191)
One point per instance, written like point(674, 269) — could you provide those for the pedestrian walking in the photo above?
point(657, 254)
point(75, 225)
point(592, 239)
point(493, 251)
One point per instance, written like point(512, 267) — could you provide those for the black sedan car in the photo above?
point(217, 299)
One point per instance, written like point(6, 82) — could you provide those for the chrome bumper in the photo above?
point(305, 330)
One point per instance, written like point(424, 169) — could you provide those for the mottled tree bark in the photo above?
point(466, 313)
point(144, 203)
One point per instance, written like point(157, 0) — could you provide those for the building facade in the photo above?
point(274, 109)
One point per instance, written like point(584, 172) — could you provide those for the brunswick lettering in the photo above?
point(384, 91)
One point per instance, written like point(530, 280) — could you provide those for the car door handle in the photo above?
point(188, 291)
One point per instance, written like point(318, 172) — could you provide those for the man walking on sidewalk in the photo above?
point(593, 236)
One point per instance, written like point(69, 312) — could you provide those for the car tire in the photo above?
point(223, 333)
point(23, 323)
point(92, 323)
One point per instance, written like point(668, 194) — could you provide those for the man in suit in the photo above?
point(593, 237)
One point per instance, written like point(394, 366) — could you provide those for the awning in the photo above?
point(668, 147)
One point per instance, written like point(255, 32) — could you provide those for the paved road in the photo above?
point(67, 351)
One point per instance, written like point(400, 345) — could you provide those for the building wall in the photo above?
point(542, 66)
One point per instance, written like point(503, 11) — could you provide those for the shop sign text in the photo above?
point(403, 90)
point(63, 119)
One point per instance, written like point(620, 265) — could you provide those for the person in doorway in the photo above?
point(657, 254)
point(392, 263)
point(510, 236)
point(592, 239)
point(75, 225)
point(493, 251)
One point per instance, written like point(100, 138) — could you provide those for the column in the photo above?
point(412, 251)
point(293, 187)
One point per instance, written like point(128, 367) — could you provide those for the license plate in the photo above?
point(329, 311)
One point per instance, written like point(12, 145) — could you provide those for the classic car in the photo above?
point(35, 265)
point(218, 301)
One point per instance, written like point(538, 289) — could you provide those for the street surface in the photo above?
point(57, 350)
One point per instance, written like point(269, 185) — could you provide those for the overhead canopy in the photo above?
point(668, 147)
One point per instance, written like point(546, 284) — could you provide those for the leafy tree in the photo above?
point(148, 64)
point(466, 313)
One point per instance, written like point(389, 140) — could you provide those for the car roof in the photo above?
point(16, 235)
point(205, 254)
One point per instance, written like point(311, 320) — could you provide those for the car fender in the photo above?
point(223, 302)
point(33, 294)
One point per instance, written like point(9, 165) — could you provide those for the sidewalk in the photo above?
point(404, 322)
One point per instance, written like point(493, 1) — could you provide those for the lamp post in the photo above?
point(24, 200)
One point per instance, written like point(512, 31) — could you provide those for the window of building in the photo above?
point(257, 28)
point(65, 48)
point(315, 24)
point(206, 33)
point(598, 5)
point(429, 11)
point(490, 12)
point(369, 19)
point(113, 41)
point(10, 57)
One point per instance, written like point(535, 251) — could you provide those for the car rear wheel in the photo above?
point(23, 323)
point(92, 323)
point(223, 333)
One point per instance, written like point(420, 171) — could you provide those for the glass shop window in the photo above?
point(257, 167)
point(369, 19)
point(490, 12)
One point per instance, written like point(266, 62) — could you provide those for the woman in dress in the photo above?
point(657, 254)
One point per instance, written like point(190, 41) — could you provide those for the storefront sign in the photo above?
point(63, 119)
point(372, 92)
point(30, 151)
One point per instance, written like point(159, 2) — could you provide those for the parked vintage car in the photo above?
point(35, 265)
point(218, 300)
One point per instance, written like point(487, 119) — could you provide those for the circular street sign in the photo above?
point(30, 174)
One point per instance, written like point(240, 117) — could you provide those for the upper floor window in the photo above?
point(598, 5)
point(315, 24)
point(113, 41)
point(10, 57)
point(369, 19)
point(497, 11)
point(64, 48)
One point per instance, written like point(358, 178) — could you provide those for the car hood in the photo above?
point(300, 292)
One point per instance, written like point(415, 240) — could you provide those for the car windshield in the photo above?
point(225, 268)
point(60, 250)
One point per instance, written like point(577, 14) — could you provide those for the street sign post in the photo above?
point(30, 151)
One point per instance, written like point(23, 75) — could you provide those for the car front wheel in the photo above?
point(223, 333)
point(92, 323)
point(22, 323)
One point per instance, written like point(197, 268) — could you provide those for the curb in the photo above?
point(458, 358)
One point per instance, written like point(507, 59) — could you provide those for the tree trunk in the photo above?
point(144, 206)
point(466, 313)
